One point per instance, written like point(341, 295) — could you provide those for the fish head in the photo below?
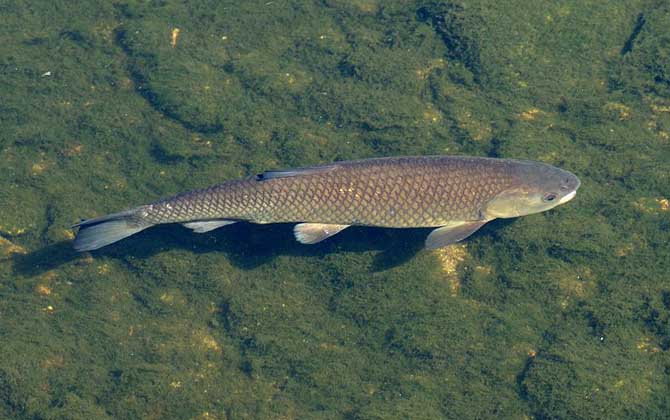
point(538, 187)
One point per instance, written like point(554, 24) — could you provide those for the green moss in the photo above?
point(644, 65)
point(557, 315)
point(581, 376)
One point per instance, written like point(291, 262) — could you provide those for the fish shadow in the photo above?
point(250, 245)
point(247, 245)
point(44, 259)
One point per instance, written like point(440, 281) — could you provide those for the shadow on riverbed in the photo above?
point(247, 245)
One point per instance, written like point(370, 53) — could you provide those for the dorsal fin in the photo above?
point(295, 172)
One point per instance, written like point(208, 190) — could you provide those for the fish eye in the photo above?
point(549, 197)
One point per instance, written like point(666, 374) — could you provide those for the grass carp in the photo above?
point(455, 194)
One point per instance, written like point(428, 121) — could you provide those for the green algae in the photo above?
point(564, 314)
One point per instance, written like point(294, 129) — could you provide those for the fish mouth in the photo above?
point(568, 197)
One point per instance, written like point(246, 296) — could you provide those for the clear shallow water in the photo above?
point(564, 314)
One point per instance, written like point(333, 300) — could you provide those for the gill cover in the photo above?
point(514, 203)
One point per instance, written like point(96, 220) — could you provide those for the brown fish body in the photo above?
point(426, 191)
point(388, 192)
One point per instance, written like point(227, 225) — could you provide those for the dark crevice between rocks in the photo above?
point(642, 67)
point(655, 315)
point(50, 216)
point(521, 389)
point(163, 156)
point(10, 396)
point(450, 22)
point(78, 38)
point(141, 61)
point(639, 24)
point(247, 345)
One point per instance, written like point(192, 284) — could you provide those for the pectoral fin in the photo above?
point(207, 225)
point(311, 233)
point(452, 233)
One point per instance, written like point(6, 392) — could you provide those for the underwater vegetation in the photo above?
point(564, 314)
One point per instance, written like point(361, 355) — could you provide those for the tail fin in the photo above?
point(102, 231)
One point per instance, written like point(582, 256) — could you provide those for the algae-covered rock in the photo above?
point(645, 57)
point(580, 376)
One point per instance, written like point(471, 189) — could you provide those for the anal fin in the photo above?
point(452, 233)
point(311, 233)
point(207, 225)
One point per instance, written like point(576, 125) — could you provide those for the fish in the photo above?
point(455, 195)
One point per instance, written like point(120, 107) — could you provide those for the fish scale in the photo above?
point(391, 192)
